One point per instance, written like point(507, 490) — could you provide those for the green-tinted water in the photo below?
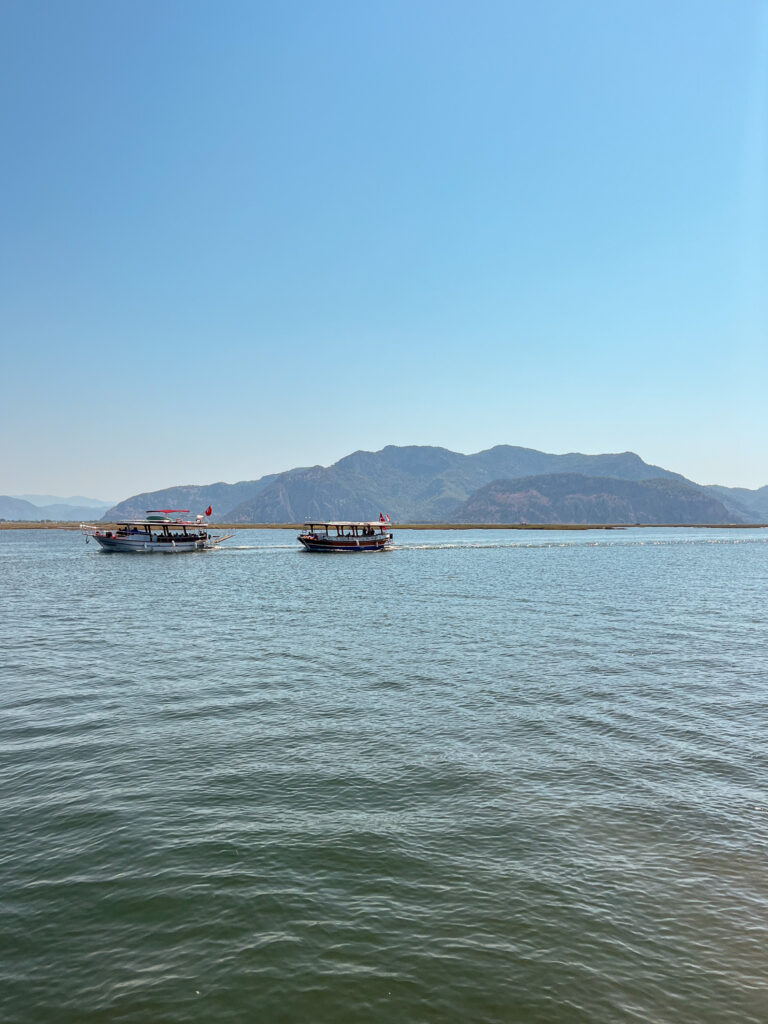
point(486, 777)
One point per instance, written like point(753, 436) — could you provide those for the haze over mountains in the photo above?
point(35, 508)
point(502, 484)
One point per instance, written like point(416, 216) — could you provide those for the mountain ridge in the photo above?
point(751, 504)
point(74, 500)
point(572, 498)
point(21, 510)
point(414, 483)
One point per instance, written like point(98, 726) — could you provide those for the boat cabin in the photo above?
point(346, 529)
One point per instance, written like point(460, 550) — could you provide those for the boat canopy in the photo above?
point(157, 522)
point(344, 522)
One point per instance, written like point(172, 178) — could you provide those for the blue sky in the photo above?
point(241, 237)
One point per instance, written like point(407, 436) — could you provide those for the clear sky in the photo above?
point(241, 237)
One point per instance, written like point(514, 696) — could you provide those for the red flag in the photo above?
point(208, 510)
point(381, 517)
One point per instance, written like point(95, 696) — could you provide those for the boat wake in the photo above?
point(264, 548)
point(598, 543)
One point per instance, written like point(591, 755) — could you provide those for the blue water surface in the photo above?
point(488, 776)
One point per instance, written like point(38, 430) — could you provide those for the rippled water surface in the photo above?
point(489, 776)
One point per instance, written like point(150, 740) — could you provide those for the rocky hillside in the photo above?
point(752, 506)
point(574, 498)
point(414, 484)
point(196, 497)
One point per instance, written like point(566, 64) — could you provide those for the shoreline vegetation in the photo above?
point(12, 525)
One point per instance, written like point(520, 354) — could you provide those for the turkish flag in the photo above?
point(208, 510)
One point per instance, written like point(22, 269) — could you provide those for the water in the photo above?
point(489, 776)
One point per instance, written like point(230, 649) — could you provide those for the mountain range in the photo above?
point(36, 508)
point(502, 484)
point(575, 498)
point(75, 500)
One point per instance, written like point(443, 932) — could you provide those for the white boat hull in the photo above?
point(140, 545)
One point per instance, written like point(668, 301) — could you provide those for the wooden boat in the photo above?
point(347, 536)
point(157, 533)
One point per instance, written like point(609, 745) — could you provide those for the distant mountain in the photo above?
point(17, 508)
point(222, 497)
point(74, 501)
point(413, 484)
point(574, 498)
point(70, 513)
point(416, 483)
point(752, 506)
point(22, 510)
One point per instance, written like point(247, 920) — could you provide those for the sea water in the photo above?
point(488, 776)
